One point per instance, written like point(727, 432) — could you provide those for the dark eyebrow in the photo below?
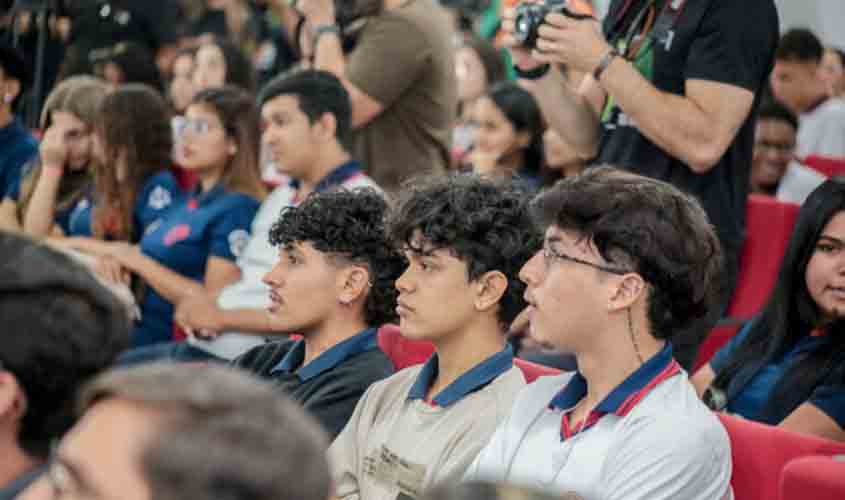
point(832, 239)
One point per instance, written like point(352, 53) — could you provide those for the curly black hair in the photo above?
point(349, 224)
point(482, 221)
point(648, 226)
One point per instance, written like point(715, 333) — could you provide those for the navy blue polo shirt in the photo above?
point(476, 378)
point(749, 400)
point(200, 225)
point(156, 197)
point(17, 147)
point(335, 355)
point(622, 399)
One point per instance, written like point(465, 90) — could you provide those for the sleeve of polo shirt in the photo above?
point(723, 355)
point(230, 234)
point(343, 455)
point(668, 458)
point(830, 397)
point(730, 48)
point(390, 56)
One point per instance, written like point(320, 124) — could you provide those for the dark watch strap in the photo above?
point(532, 74)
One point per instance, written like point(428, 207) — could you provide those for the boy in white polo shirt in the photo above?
point(626, 263)
point(465, 239)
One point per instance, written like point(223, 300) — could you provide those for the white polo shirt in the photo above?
point(651, 438)
point(258, 259)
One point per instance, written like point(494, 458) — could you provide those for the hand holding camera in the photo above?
point(549, 32)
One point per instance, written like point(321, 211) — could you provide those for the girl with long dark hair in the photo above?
point(787, 366)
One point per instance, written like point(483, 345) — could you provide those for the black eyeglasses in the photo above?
point(549, 254)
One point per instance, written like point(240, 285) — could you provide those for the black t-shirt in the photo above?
point(725, 41)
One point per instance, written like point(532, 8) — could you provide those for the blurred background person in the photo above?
point(833, 71)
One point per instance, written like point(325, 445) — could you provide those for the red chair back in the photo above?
point(405, 352)
point(717, 338)
point(761, 451)
point(769, 225)
point(817, 477)
point(830, 167)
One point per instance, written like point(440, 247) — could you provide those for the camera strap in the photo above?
point(644, 26)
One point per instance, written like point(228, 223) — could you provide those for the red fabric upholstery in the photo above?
point(769, 225)
point(406, 352)
point(718, 337)
point(760, 452)
point(819, 478)
point(828, 166)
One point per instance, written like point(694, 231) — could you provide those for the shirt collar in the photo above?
point(200, 197)
point(13, 489)
point(476, 378)
point(364, 341)
point(625, 396)
point(335, 178)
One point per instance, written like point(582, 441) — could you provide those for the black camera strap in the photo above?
point(643, 24)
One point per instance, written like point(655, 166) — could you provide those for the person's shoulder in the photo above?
point(366, 367)
point(239, 201)
point(833, 109)
point(361, 180)
point(418, 16)
point(261, 359)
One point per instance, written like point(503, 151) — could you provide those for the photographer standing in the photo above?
point(671, 92)
point(400, 76)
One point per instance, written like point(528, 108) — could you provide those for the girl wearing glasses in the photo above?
point(786, 367)
point(52, 185)
point(194, 247)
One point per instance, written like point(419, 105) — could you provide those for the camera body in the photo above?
point(530, 16)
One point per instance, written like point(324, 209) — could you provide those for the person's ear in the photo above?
point(354, 284)
point(327, 126)
point(626, 291)
point(12, 398)
point(489, 289)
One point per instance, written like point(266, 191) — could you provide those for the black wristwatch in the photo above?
point(532, 74)
point(321, 30)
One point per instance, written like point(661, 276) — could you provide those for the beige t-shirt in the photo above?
point(396, 446)
point(404, 59)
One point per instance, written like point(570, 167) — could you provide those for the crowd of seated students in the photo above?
point(147, 216)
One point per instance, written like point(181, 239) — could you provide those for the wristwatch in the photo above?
point(532, 74)
point(321, 30)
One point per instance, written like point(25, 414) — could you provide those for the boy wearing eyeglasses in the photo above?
point(627, 262)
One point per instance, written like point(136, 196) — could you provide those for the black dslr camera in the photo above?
point(530, 16)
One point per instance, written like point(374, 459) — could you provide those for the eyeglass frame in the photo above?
point(549, 253)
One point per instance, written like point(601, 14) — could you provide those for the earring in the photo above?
point(8, 98)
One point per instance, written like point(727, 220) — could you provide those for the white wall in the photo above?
point(825, 17)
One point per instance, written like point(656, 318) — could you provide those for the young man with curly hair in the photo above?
point(332, 284)
point(306, 118)
point(465, 239)
point(627, 263)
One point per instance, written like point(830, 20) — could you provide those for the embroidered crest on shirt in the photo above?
point(159, 199)
point(238, 240)
point(389, 468)
point(177, 234)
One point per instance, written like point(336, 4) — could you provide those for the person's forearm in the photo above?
point(672, 122)
point(567, 112)
point(169, 284)
point(328, 55)
point(257, 321)
point(40, 214)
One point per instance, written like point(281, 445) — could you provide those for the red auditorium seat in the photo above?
point(769, 224)
point(830, 167)
point(405, 352)
point(760, 453)
point(718, 337)
point(818, 478)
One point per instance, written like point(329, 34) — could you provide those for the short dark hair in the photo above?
point(648, 226)
point(482, 221)
point(62, 328)
point(317, 92)
point(799, 45)
point(772, 109)
point(349, 224)
point(226, 434)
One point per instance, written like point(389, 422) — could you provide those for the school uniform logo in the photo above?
point(159, 198)
point(238, 240)
point(177, 234)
